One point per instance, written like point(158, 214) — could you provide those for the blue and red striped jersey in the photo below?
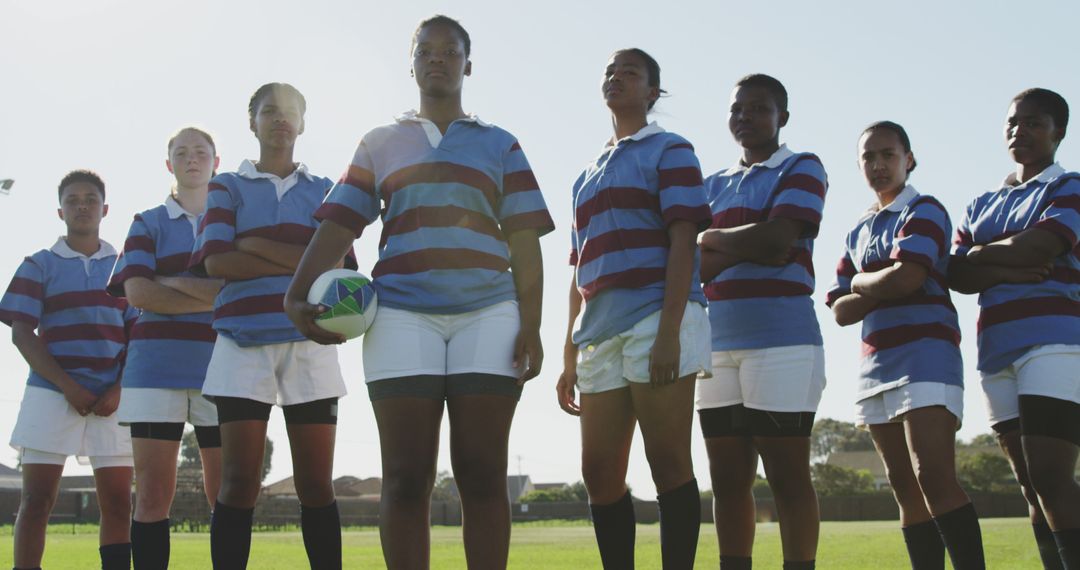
point(61, 293)
point(624, 202)
point(1015, 317)
point(165, 351)
point(760, 306)
point(448, 202)
point(916, 338)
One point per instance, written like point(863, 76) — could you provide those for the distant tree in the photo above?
point(268, 452)
point(829, 436)
point(986, 472)
point(761, 488)
point(981, 440)
point(563, 495)
point(834, 480)
point(579, 492)
point(441, 491)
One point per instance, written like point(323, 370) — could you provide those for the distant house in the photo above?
point(517, 486)
point(349, 486)
point(10, 479)
point(549, 486)
point(283, 488)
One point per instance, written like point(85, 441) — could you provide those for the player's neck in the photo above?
point(193, 200)
point(627, 124)
point(1025, 172)
point(760, 154)
point(276, 161)
point(441, 110)
point(87, 244)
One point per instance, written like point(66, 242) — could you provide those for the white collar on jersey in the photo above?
point(434, 135)
point(64, 250)
point(175, 210)
point(902, 199)
point(783, 153)
point(645, 132)
point(247, 170)
point(1049, 173)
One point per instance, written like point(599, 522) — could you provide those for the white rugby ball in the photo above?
point(349, 299)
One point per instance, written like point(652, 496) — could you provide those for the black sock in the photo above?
point(799, 565)
point(960, 532)
point(1068, 542)
point(924, 546)
point(321, 527)
point(614, 528)
point(1048, 547)
point(736, 562)
point(150, 545)
point(116, 556)
point(230, 537)
point(680, 525)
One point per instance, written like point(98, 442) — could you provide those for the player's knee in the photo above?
point(315, 493)
point(481, 482)
point(791, 486)
point(36, 505)
point(404, 485)
point(1049, 481)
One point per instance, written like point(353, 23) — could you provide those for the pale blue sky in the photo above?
point(103, 84)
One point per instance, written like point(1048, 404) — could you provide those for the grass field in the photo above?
point(854, 545)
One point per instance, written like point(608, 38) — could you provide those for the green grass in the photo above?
point(876, 545)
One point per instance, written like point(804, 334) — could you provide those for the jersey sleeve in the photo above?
point(922, 237)
point(845, 272)
point(521, 206)
point(800, 194)
point(1062, 214)
point(217, 230)
point(353, 202)
point(138, 259)
point(964, 240)
point(24, 299)
point(681, 187)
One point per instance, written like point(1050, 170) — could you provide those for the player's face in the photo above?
point(626, 83)
point(191, 160)
point(82, 208)
point(439, 63)
point(883, 160)
point(278, 119)
point(753, 117)
point(1031, 134)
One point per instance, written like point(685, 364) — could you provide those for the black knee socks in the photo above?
point(680, 524)
point(614, 528)
point(321, 527)
point(736, 562)
point(800, 565)
point(230, 537)
point(1048, 547)
point(962, 537)
point(924, 546)
point(1068, 542)
point(150, 544)
point(116, 556)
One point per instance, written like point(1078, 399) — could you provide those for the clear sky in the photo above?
point(103, 84)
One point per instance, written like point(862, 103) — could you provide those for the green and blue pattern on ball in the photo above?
point(348, 296)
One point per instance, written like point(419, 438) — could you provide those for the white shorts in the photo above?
point(775, 379)
point(403, 343)
point(29, 456)
point(624, 358)
point(285, 374)
point(47, 423)
point(1051, 370)
point(170, 405)
point(888, 406)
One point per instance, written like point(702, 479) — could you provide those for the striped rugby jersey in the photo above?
point(916, 338)
point(165, 351)
point(1015, 317)
point(761, 306)
point(447, 203)
point(252, 203)
point(61, 292)
point(624, 202)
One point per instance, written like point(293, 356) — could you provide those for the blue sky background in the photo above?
point(103, 84)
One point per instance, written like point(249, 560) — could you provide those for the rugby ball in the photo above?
point(349, 299)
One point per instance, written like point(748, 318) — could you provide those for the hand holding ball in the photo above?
point(349, 299)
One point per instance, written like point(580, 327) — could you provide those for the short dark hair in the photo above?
point(651, 66)
point(900, 134)
point(768, 83)
point(446, 21)
point(1048, 102)
point(262, 92)
point(81, 175)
